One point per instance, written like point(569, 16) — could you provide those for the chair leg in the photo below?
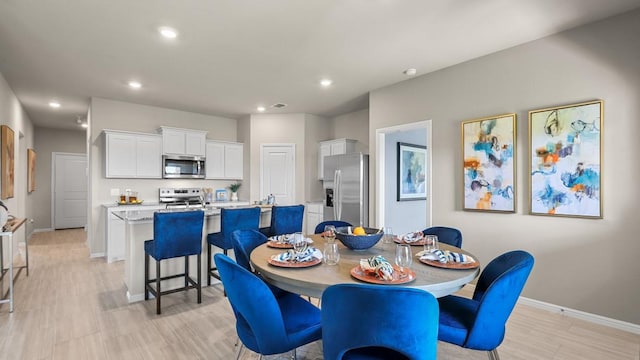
point(158, 287)
point(294, 355)
point(208, 264)
point(239, 349)
point(146, 276)
point(199, 270)
point(186, 272)
point(493, 354)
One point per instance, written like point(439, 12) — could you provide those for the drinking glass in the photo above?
point(430, 243)
point(331, 254)
point(299, 242)
point(388, 235)
point(330, 233)
point(404, 258)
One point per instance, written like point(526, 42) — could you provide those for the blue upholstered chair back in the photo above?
point(360, 318)
point(177, 234)
point(236, 219)
point(336, 223)
point(260, 323)
point(286, 219)
point(447, 235)
point(244, 241)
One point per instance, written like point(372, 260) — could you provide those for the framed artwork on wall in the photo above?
point(411, 175)
point(7, 159)
point(489, 163)
point(565, 160)
point(31, 170)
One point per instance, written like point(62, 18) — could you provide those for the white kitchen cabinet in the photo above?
point(177, 141)
point(333, 147)
point(133, 155)
point(314, 216)
point(224, 160)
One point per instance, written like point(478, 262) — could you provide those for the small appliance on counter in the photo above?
point(181, 197)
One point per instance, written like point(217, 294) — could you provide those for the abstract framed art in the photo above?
point(412, 168)
point(7, 159)
point(565, 145)
point(31, 170)
point(489, 163)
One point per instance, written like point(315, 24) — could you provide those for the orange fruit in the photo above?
point(359, 231)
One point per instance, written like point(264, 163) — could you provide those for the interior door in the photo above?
point(70, 190)
point(277, 173)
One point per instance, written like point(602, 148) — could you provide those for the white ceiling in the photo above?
point(233, 55)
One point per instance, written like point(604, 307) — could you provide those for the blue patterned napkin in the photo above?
point(307, 255)
point(412, 236)
point(286, 239)
point(378, 265)
point(445, 256)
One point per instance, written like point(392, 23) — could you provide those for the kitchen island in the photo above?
point(139, 228)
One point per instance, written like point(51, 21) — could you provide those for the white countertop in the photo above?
point(138, 215)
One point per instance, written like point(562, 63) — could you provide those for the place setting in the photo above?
point(286, 241)
point(301, 255)
point(377, 270)
point(432, 255)
point(414, 238)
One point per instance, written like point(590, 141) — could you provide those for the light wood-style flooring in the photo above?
point(74, 307)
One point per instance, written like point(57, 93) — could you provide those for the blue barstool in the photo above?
point(230, 221)
point(175, 234)
point(285, 220)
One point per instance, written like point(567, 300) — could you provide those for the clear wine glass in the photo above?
point(299, 243)
point(330, 233)
point(404, 258)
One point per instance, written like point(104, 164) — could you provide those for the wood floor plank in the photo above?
point(74, 307)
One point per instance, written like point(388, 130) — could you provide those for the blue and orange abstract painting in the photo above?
point(566, 149)
point(488, 147)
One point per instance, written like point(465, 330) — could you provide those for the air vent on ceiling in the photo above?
point(279, 105)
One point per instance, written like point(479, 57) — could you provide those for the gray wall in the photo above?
point(353, 125)
point(402, 216)
point(584, 264)
point(46, 142)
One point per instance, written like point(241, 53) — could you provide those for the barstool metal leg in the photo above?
point(158, 287)
point(199, 271)
point(208, 264)
point(186, 272)
point(146, 276)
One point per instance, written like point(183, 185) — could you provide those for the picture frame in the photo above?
point(489, 163)
point(221, 195)
point(7, 161)
point(411, 174)
point(566, 160)
point(31, 170)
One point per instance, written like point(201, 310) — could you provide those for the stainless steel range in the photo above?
point(181, 197)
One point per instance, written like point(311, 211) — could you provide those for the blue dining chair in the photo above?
point(175, 234)
point(265, 324)
point(479, 323)
point(285, 220)
point(230, 221)
point(446, 235)
point(378, 322)
point(337, 223)
point(244, 241)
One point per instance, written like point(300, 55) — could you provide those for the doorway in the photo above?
point(277, 172)
point(402, 216)
point(69, 196)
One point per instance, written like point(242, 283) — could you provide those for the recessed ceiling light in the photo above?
point(261, 108)
point(279, 105)
point(54, 104)
point(135, 84)
point(168, 32)
point(410, 72)
point(326, 82)
point(84, 125)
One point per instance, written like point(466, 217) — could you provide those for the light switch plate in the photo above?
point(115, 192)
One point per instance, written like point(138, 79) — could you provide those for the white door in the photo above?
point(70, 190)
point(277, 172)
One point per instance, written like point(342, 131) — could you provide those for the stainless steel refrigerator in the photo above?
point(346, 188)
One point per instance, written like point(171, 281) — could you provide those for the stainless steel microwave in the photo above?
point(183, 167)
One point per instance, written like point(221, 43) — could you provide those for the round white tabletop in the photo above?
point(311, 281)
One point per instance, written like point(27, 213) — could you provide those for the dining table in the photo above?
point(313, 280)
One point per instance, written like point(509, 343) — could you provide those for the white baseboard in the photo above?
point(97, 255)
point(136, 298)
point(42, 230)
point(597, 319)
